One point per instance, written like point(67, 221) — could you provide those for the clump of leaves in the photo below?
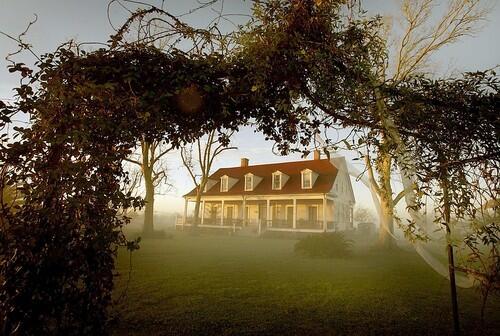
point(483, 260)
point(88, 110)
point(327, 245)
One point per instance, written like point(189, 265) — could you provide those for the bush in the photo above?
point(327, 245)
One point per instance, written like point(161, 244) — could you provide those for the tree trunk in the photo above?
point(386, 229)
point(383, 166)
point(196, 218)
point(148, 228)
point(449, 249)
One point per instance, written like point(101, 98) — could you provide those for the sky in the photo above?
point(85, 21)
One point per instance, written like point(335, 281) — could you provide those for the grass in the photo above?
point(221, 285)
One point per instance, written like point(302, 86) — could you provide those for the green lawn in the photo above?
point(221, 285)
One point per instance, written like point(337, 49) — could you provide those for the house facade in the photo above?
point(303, 196)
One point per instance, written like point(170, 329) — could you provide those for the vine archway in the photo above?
point(87, 111)
point(87, 115)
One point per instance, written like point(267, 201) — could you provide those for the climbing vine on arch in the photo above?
point(87, 110)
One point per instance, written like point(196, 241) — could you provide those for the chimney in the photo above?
point(244, 162)
point(317, 154)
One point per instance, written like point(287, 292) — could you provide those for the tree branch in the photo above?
point(402, 194)
point(163, 153)
point(133, 161)
point(371, 176)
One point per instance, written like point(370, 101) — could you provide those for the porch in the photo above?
point(300, 214)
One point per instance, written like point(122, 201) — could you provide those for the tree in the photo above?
point(198, 161)
point(461, 173)
point(69, 165)
point(152, 165)
point(363, 215)
point(421, 38)
point(297, 58)
point(62, 242)
point(369, 106)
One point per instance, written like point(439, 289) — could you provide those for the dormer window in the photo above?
point(248, 182)
point(223, 183)
point(227, 182)
point(307, 179)
point(277, 181)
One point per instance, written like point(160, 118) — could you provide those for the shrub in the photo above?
point(327, 245)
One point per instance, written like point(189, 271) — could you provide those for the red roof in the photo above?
point(326, 171)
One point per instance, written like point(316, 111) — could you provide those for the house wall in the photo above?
point(302, 210)
point(342, 215)
point(253, 209)
point(212, 211)
point(344, 198)
point(253, 212)
point(215, 207)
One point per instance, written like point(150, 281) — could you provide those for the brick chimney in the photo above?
point(317, 154)
point(244, 162)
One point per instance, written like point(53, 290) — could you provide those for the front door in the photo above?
point(289, 215)
point(262, 212)
point(229, 215)
point(313, 215)
point(213, 214)
point(247, 216)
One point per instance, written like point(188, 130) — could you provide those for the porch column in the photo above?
point(268, 214)
point(222, 214)
point(202, 211)
point(294, 213)
point(184, 221)
point(324, 214)
point(244, 216)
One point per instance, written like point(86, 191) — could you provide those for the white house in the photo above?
point(303, 196)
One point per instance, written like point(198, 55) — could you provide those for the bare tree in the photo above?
point(198, 159)
point(363, 215)
point(131, 185)
point(422, 37)
point(154, 173)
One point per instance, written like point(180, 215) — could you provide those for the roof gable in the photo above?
point(341, 164)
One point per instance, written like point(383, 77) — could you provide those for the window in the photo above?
point(313, 213)
point(277, 181)
point(276, 213)
point(229, 213)
point(223, 183)
point(213, 211)
point(249, 182)
point(306, 179)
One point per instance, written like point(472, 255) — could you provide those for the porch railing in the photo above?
point(262, 225)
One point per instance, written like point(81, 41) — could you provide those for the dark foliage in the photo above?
point(309, 62)
point(456, 160)
point(326, 245)
point(87, 111)
point(456, 121)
